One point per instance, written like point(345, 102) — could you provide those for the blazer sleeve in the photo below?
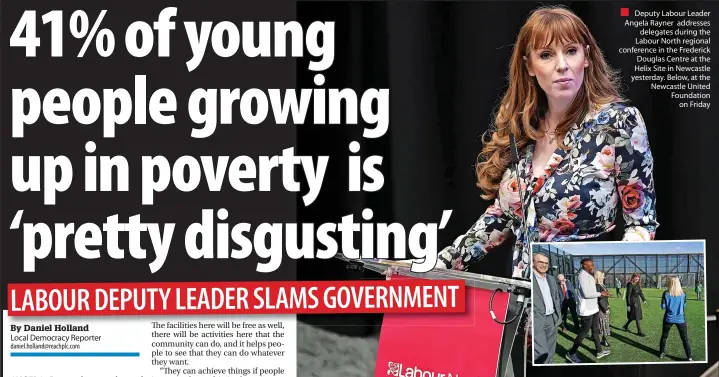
point(628, 293)
point(635, 181)
point(488, 232)
point(641, 294)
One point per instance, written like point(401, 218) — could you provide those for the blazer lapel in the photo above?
point(538, 292)
point(550, 283)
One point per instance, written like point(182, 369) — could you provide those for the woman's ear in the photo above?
point(529, 68)
point(586, 59)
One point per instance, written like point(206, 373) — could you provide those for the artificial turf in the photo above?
point(627, 346)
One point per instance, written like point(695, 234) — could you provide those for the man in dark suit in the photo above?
point(566, 294)
point(546, 306)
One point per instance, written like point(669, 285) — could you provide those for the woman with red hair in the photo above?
point(583, 151)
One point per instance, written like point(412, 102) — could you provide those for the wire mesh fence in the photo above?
point(653, 269)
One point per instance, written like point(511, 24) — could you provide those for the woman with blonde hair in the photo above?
point(674, 301)
point(603, 302)
point(582, 150)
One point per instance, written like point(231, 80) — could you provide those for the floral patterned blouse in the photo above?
point(576, 198)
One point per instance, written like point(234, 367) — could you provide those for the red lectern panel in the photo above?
point(444, 345)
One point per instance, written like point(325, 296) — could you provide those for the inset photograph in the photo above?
point(618, 302)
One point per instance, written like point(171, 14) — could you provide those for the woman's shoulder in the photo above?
point(618, 117)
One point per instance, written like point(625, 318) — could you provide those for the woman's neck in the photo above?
point(555, 112)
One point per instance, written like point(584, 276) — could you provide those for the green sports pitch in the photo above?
point(627, 347)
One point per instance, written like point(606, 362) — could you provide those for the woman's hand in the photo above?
point(645, 303)
point(629, 309)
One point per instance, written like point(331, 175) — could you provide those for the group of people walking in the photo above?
point(555, 299)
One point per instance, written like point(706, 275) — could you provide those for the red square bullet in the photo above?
point(625, 12)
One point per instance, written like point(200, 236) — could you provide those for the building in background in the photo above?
point(653, 268)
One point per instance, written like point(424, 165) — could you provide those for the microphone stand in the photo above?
point(520, 291)
point(524, 311)
point(515, 161)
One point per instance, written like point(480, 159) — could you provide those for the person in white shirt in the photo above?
point(588, 310)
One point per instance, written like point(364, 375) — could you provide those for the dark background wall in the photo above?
point(446, 66)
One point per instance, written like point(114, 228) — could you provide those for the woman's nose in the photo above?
point(561, 63)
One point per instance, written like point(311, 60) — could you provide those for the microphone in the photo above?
point(515, 160)
point(518, 311)
point(513, 149)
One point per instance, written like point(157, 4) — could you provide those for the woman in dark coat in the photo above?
point(634, 305)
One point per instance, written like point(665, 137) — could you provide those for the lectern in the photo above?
point(489, 340)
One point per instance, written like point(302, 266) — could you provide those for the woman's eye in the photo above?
point(544, 55)
point(572, 51)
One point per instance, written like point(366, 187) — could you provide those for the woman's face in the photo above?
point(559, 69)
